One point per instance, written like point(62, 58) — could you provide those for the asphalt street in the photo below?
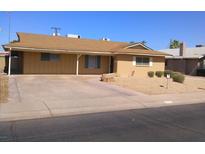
point(174, 123)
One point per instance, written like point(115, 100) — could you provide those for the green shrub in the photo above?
point(159, 74)
point(178, 77)
point(168, 72)
point(150, 74)
point(172, 73)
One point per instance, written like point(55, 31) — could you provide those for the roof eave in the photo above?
point(29, 49)
point(183, 57)
point(140, 54)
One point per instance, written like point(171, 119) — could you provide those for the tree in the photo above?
point(174, 44)
point(144, 42)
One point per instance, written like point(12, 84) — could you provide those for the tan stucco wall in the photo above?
point(103, 69)
point(2, 63)
point(125, 66)
point(67, 65)
point(33, 65)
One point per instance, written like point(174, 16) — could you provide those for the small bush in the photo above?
point(167, 72)
point(159, 74)
point(150, 74)
point(178, 77)
point(172, 73)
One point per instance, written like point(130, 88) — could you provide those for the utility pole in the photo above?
point(56, 30)
point(9, 37)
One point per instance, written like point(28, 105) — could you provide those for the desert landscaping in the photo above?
point(157, 85)
point(3, 88)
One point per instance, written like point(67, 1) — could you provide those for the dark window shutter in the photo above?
point(86, 61)
point(98, 61)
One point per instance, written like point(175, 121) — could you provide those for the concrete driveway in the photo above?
point(47, 96)
point(38, 96)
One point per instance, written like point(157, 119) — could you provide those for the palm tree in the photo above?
point(174, 44)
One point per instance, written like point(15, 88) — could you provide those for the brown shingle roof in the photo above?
point(63, 43)
point(39, 41)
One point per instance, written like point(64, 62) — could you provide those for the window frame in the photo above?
point(96, 61)
point(54, 57)
point(44, 56)
point(143, 61)
point(50, 57)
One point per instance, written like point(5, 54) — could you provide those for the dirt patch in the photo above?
point(159, 85)
point(3, 88)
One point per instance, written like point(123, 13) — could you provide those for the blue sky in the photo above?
point(157, 28)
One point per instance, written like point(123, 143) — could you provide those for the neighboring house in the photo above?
point(185, 60)
point(3, 59)
point(45, 54)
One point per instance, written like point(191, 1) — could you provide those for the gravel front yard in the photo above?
point(3, 88)
point(158, 85)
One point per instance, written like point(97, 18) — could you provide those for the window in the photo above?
point(54, 57)
point(143, 61)
point(44, 56)
point(49, 57)
point(92, 61)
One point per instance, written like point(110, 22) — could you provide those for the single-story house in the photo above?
point(185, 60)
point(47, 54)
point(3, 59)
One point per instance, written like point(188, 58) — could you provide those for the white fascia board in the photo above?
point(138, 44)
point(60, 50)
point(136, 54)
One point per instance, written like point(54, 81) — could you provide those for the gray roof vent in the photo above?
point(105, 39)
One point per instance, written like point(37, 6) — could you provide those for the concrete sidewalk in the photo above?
point(40, 97)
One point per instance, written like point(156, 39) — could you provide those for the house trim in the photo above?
point(132, 45)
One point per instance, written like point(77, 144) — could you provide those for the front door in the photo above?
point(111, 64)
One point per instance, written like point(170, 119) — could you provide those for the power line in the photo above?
point(56, 30)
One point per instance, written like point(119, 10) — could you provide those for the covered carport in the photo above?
point(41, 61)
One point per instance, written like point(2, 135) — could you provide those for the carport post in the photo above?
point(77, 64)
point(9, 67)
